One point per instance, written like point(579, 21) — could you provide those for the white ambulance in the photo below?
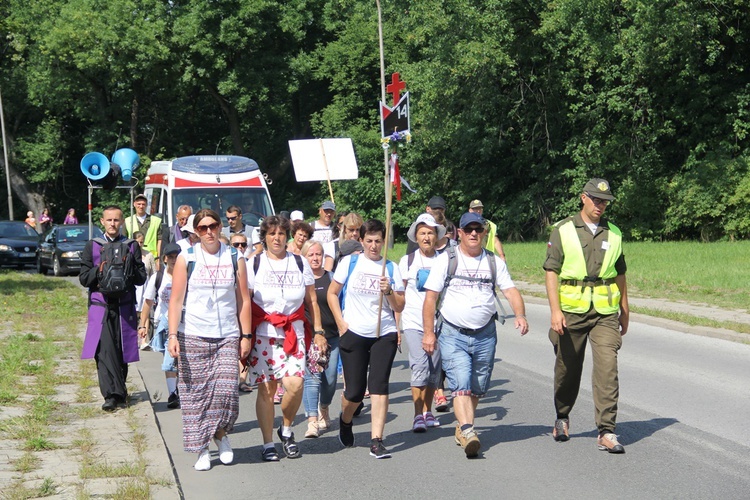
point(215, 182)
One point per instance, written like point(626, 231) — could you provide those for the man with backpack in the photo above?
point(461, 290)
point(111, 267)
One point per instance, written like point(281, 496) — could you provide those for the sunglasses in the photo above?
point(597, 201)
point(472, 229)
point(210, 227)
point(232, 218)
point(237, 244)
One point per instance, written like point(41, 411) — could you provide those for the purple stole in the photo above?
point(97, 316)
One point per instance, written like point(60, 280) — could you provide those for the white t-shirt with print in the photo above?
point(329, 249)
point(211, 303)
point(322, 233)
point(363, 296)
point(411, 318)
point(165, 293)
point(468, 304)
point(280, 287)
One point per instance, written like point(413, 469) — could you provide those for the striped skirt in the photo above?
point(208, 375)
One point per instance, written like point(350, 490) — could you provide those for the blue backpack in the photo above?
point(352, 263)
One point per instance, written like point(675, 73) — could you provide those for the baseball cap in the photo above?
point(328, 205)
point(140, 197)
point(436, 202)
point(296, 215)
point(189, 225)
point(476, 204)
point(470, 217)
point(171, 249)
point(428, 220)
point(348, 247)
point(598, 188)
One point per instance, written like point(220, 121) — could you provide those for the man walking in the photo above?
point(177, 232)
point(491, 242)
point(111, 335)
point(237, 226)
point(323, 228)
point(589, 300)
point(461, 288)
point(149, 225)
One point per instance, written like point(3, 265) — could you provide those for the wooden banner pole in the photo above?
point(325, 164)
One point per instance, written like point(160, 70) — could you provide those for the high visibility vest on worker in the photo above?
point(150, 238)
point(489, 242)
point(577, 290)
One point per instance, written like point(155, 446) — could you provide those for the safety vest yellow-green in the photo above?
point(149, 240)
point(489, 243)
point(576, 297)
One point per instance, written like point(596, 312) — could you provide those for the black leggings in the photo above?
point(357, 353)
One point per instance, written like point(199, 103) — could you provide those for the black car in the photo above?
point(18, 243)
point(61, 247)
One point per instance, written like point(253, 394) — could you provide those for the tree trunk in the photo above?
point(232, 117)
point(23, 191)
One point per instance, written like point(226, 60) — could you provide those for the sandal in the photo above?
point(441, 404)
point(245, 387)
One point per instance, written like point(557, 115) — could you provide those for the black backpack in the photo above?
point(116, 267)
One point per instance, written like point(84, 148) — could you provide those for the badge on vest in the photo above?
point(605, 245)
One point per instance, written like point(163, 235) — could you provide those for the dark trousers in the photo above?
point(570, 349)
point(360, 353)
point(110, 367)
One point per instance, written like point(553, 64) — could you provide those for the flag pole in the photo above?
point(386, 176)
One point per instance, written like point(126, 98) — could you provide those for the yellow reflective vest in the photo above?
point(150, 242)
point(489, 242)
point(576, 291)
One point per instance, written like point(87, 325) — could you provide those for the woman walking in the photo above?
point(71, 218)
point(207, 341)
point(320, 386)
point(361, 345)
point(282, 286)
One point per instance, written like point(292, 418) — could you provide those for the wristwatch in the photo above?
point(389, 292)
point(245, 336)
point(319, 332)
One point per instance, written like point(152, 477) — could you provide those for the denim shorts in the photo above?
point(468, 359)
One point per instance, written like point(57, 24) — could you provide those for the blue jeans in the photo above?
point(468, 359)
point(320, 387)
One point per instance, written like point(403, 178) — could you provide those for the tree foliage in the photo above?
point(515, 102)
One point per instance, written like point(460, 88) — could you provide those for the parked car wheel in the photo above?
point(57, 269)
point(39, 267)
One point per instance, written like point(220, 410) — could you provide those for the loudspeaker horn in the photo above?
point(95, 166)
point(127, 160)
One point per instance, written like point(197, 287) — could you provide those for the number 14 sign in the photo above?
point(396, 118)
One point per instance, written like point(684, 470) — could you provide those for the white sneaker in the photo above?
point(204, 461)
point(226, 455)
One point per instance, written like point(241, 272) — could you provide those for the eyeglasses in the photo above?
point(597, 201)
point(472, 229)
point(237, 244)
point(231, 218)
point(210, 227)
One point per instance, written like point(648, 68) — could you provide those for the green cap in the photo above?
point(598, 188)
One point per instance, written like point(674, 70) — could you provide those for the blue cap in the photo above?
point(328, 205)
point(470, 217)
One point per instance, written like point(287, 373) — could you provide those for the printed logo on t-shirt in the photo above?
point(165, 294)
point(279, 279)
point(366, 283)
point(213, 275)
point(459, 283)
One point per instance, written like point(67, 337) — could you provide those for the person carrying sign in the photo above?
point(465, 279)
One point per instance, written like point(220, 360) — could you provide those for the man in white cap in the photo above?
point(490, 240)
point(296, 215)
point(322, 226)
point(192, 238)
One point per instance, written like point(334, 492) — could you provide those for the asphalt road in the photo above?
point(682, 407)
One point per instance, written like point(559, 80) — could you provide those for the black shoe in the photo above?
point(174, 400)
point(346, 435)
point(377, 449)
point(270, 455)
point(359, 408)
point(291, 450)
point(122, 401)
point(110, 405)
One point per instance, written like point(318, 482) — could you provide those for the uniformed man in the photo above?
point(589, 300)
point(149, 225)
point(491, 241)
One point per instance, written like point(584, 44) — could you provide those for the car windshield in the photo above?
point(20, 230)
point(253, 201)
point(70, 234)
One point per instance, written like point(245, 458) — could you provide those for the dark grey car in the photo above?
point(18, 243)
point(61, 247)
